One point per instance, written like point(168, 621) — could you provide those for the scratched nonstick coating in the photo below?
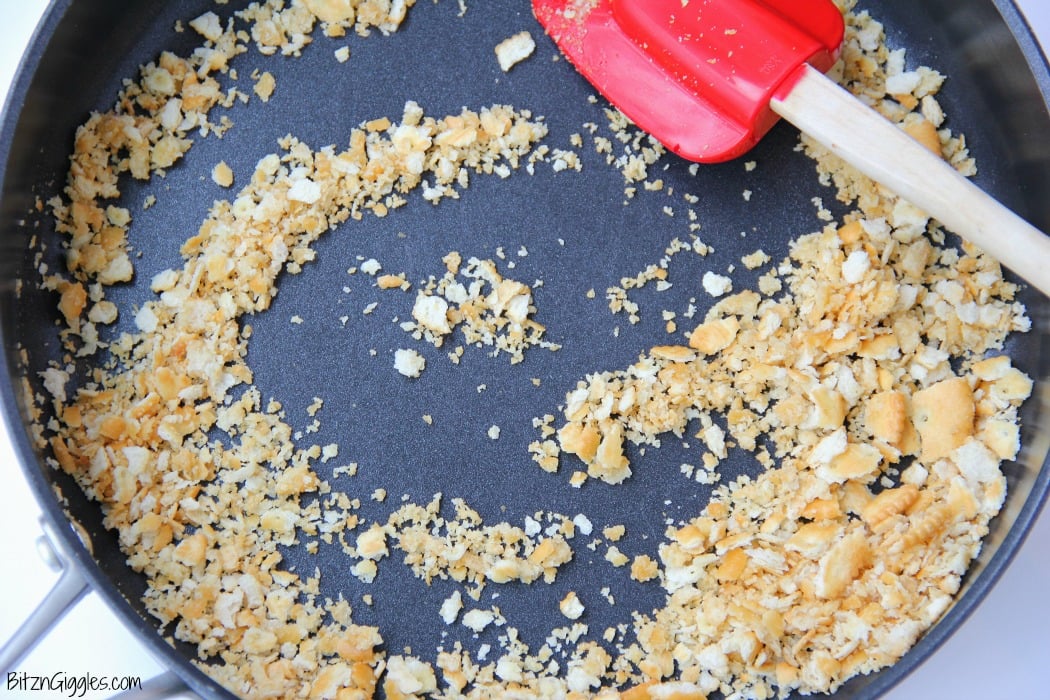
point(580, 233)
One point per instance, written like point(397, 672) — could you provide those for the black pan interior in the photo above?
point(579, 235)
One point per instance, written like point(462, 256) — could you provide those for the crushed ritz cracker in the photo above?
point(864, 374)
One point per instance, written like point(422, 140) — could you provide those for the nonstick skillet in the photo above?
point(985, 91)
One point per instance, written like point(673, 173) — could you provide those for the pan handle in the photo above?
point(65, 594)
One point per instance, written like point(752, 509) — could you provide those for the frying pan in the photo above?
point(995, 96)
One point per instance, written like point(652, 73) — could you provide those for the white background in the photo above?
point(1002, 651)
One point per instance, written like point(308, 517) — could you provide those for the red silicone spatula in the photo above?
point(708, 78)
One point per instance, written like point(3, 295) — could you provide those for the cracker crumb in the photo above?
point(451, 607)
point(476, 300)
point(614, 556)
point(222, 174)
point(409, 363)
point(264, 86)
point(571, 607)
point(717, 285)
point(644, 568)
point(755, 260)
point(208, 26)
point(477, 620)
point(514, 50)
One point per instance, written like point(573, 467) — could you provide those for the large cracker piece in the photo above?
point(944, 416)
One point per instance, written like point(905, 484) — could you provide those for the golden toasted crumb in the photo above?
point(264, 86)
point(222, 175)
point(389, 281)
point(755, 260)
point(644, 568)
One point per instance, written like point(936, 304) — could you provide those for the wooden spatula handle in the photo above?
point(885, 153)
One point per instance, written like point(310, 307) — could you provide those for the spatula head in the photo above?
point(696, 74)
